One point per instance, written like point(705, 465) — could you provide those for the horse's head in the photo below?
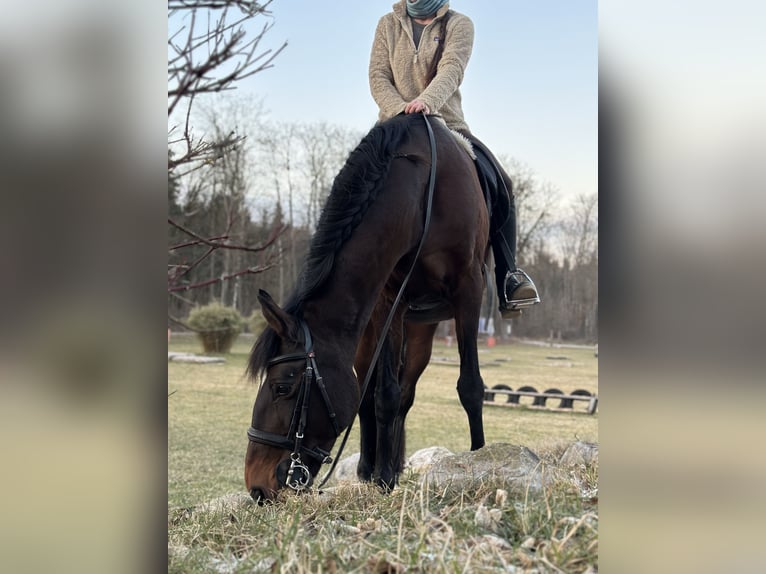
point(294, 423)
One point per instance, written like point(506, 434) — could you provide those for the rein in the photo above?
point(390, 318)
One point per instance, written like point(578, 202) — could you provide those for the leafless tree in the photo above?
point(276, 144)
point(298, 162)
point(210, 51)
point(579, 230)
point(325, 149)
point(535, 204)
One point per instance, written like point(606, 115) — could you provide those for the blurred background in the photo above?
point(84, 259)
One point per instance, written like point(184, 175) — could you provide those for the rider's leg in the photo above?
point(517, 287)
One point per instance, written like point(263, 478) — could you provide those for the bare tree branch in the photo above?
point(190, 73)
point(247, 6)
point(535, 204)
point(217, 244)
point(212, 59)
point(213, 45)
point(251, 270)
point(195, 242)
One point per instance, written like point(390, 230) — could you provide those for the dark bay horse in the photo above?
point(365, 243)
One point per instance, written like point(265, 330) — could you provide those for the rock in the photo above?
point(419, 462)
point(425, 458)
point(346, 469)
point(511, 464)
point(192, 358)
point(580, 453)
point(226, 503)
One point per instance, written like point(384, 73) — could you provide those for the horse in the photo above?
point(368, 235)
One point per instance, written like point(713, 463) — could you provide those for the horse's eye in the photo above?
point(282, 390)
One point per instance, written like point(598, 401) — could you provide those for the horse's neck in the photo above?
point(342, 312)
point(346, 303)
point(364, 263)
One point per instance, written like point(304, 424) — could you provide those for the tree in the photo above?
point(579, 245)
point(299, 162)
point(325, 148)
point(564, 264)
point(535, 205)
point(277, 144)
point(206, 58)
point(579, 230)
point(209, 51)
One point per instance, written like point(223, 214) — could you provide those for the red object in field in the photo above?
point(490, 341)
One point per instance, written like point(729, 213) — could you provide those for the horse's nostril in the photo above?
point(258, 495)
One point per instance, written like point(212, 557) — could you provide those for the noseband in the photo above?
point(298, 475)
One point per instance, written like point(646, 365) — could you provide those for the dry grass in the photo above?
point(358, 529)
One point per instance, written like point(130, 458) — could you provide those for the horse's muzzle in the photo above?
point(294, 476)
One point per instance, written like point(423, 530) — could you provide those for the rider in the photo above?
point(409, 43)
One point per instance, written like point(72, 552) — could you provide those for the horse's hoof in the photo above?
point(386, 485)
point(364, 474)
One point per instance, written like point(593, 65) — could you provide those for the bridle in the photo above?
point(298, 475)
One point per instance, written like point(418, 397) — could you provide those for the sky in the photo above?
point(530, 91)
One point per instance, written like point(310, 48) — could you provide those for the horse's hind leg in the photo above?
point(470, 386)
point(418, 344)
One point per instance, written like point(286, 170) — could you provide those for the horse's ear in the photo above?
point(282, 323)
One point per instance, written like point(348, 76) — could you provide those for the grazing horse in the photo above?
point(365, 244)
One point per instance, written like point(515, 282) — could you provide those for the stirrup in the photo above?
point(523, 303)
point(516, 304)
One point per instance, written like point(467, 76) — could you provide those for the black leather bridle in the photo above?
point(298, 475)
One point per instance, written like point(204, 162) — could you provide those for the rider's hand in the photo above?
point(416, 106)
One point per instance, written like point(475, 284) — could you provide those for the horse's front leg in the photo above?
point(367, 425)
point(387, 400)
point(470, 386)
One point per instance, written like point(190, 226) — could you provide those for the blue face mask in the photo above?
point(423, 8)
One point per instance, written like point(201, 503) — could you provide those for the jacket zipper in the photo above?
point(417, 48)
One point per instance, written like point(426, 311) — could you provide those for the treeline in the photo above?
point(243, 223)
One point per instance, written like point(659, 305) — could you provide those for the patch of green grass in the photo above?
point(357, 528)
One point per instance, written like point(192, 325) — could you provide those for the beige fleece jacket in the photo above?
point(398, 70)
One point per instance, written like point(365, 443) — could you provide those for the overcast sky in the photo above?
point(530, 90)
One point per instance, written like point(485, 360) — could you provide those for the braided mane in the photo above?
point(354, 190)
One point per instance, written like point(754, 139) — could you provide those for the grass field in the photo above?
point(209, 410)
